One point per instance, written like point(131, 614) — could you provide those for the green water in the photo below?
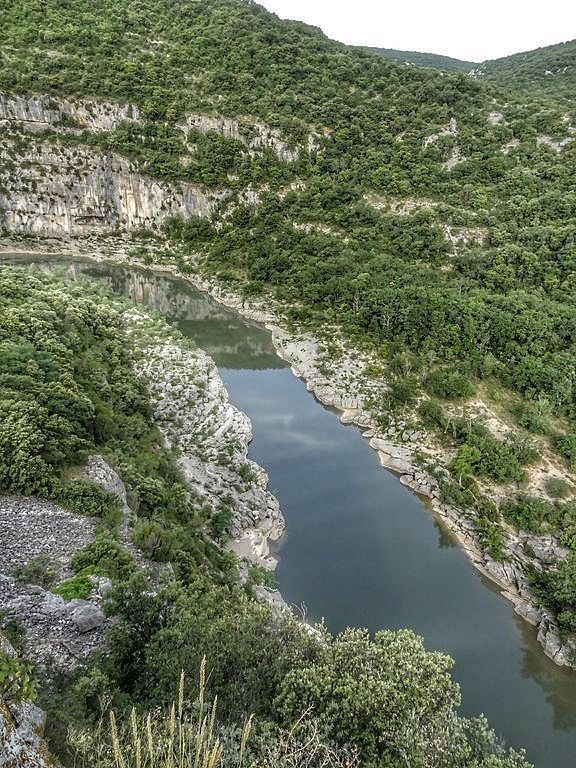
point(361, 549)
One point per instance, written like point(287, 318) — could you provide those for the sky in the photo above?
point(474, 31)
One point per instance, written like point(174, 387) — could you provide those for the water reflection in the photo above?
point(446, 540)
point(233, 342)
point(556, 682)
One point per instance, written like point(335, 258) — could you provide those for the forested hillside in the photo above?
point(547, 73)
point(428, 219)
point(428, 215)
point(418, 59)
point(68, 368)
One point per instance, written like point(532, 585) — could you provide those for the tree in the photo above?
point(389, 697)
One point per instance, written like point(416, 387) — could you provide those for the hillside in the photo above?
point(547, 73)
point(431, 218)
point(421, 224)
point(418, 59)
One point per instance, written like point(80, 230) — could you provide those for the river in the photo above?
point(361, 549)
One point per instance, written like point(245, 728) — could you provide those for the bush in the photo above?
point(558, 488)
point(482, 454)
point(220, 522)
point(106, 556)
point(16, 683)
point(262, 576)
point(78, 586)
point(368, 680)
point(566, 447)
point(528, 513)
point(87, 498)
point(154, 540)
point(532, 418)
point(449, 384)
point(431, 413)
point(557, 589)
point(402, 391)
point(39, 570)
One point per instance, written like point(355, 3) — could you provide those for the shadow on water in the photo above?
point(360, 548)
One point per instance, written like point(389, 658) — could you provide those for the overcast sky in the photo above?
point(474, 31)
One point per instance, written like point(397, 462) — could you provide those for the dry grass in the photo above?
point(160, 739)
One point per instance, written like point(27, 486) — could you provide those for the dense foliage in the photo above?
point(418, 59)
point(431, 216)
point(549, 73)
point(388, 698)
point(68, 388)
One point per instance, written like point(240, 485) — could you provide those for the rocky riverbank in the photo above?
point(342, 383)
point(194, 415)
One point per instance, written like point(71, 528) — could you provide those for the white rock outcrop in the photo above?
point(61, 191)
point(254, 134)
point(194, 414)
point(41, 112)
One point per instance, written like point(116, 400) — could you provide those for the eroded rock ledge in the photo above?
point(21, 728)
point(194, 414)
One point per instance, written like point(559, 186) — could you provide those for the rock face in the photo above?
point(22, 736)
point(192, 410)
point(21, 729)
point(254, 134)
point(40, 112)
point(30, 528)
point(56, 189)
point(59, 191)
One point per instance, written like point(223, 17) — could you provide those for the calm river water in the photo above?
point(361, 549)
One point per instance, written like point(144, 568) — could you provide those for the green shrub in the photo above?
point(532, 417)
point(220, 522)
point(78, 586)
point(16, 683)
point(523, 448)
point(154, 540)
point(449, 384)
point(263, 576)
point(556, 587)
point(492, 538)
point(402, 391)
point(40, 570)
point(566, 447)
point(15, 633)
point(528, 513)
point(87, 498)
point(106, 556)
point(483, 454)
point(431, 413)
point(558, 488)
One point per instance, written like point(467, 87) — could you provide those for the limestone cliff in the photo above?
point(61, 191)
point(40, 112)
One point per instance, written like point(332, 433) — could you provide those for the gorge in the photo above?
point(360, 549)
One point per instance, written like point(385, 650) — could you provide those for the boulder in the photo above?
point(53, 605)
point(87, 617)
